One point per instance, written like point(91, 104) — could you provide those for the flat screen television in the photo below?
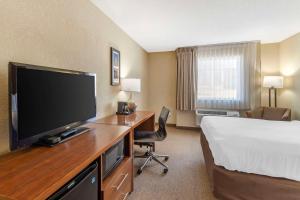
point(47, 101)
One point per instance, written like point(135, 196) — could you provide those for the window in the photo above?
point(219, 78)
point(228, 76)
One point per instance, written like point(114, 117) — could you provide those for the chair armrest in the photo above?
point(287, 115)
point(249, 114)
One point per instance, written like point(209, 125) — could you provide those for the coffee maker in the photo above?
point(123, 108)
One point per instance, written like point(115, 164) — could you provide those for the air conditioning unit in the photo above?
point(209, 112)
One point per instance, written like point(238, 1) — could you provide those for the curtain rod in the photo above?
point(219, 44)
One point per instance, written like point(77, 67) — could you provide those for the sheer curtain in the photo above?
point(226, 75)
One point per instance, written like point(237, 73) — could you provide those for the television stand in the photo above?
point(51, 140)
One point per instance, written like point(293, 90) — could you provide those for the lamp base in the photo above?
point(275, 96)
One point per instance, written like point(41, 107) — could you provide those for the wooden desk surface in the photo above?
point(132, 120)
point(38, 172)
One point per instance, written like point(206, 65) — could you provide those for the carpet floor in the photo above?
point(187, 177)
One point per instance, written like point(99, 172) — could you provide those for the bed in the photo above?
point(252, 159)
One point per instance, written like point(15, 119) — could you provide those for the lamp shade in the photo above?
point(273, 82)
point(131, 85)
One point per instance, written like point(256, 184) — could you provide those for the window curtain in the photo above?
point(227, 76)
point(187, 60)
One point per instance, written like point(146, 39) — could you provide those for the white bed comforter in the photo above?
point(256, 146)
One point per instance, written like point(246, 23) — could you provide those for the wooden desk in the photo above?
point(38, 172)
point(141, 120)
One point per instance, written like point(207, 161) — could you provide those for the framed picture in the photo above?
point(115, 66)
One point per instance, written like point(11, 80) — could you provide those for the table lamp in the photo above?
point(131, 85)
point(273, 82)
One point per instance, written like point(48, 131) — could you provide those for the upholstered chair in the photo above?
point(270, 113)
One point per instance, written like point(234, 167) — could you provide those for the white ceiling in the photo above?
point(162, 25)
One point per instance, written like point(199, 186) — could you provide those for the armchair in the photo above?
point(270, 113)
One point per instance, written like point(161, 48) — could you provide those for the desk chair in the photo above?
point(148, 139)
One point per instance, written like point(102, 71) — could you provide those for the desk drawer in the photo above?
point(119, 183)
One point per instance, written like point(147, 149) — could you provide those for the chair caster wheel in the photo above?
point(166, 170)
point(166, 158)
point(139, 171)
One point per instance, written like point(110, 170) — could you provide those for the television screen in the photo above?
point(47, 100)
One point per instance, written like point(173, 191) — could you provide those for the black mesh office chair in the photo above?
point(148, 139)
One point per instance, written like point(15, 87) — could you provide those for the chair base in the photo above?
point(150, 155)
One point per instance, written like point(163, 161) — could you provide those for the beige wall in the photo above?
point(283, 58)
point(269, 66)
point(162, 83)
point(186, 119)
point(162, 88)
point(290, 69)
point(66, 34)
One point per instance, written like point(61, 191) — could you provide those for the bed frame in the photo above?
point(234, 185)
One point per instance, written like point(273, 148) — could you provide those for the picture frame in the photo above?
point(115, 66)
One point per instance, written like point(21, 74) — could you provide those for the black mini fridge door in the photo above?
point(83, 187)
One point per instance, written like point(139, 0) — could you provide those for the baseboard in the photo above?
point(188, 128)
point(182, 127)
point(171, 125)
point(168, 125)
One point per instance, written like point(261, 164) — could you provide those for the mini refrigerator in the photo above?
point(83, 187)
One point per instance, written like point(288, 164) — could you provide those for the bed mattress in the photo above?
point(270, 148)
